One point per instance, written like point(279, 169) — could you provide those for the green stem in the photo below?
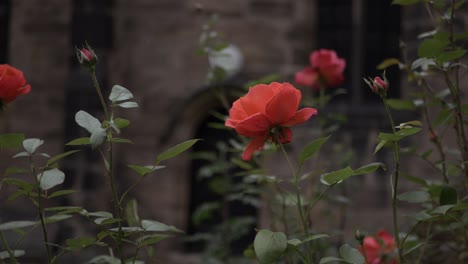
point(396, 153)
point(98, 90)
point(298, 202)
point(7, 247)
point(40, 210)
point(115, 197)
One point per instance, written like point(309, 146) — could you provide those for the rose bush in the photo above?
point(12, 84)
point(326, 70)
point(266, 113)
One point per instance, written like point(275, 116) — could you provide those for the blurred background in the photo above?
point(150, 47)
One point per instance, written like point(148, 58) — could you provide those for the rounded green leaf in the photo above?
point(87, 121)
point(337, 176)
point(50, 178)
point(351, 255)
point(120, 93)
point(31, 144)
point(269, 246)
point(448, 195)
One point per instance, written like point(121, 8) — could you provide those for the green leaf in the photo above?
point(414, 196)
point(387, 63)
point(57, 218)
point(442, 209)
point(97, 137)
point(79, 141)
point(121, 140)
point(60, 193)
point(337, 176)
point(16, 170)
point(351, 254)
point(145, 170)
point(399, 104)
point(445, 116)
point(80, 242)
point(421, 216)
point(16, 253)
point(382, 143)
point(120, 93)
point(60, 156)
point(311, 148)
point(128, 105)
point(448, 195)
point(176, 150)
point(152, 239)
point(87, 121)
point(369, 168)
point(331, 259)
point(405, 2)
point(450, 55)
point(121, 123)
point(155, 226)
point(31, 144)
point(50, 178)
point(402, 133)
point(131, 212)
point(431, 48)
point(269, 246)
point(11, 140)
point(16, 225)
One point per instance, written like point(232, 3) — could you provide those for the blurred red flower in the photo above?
point(380, 249)
point(326, 70)
point(12, 83)
point(265, 113)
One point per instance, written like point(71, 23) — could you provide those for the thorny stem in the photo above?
point(115, 197)
point(298, 202)
point(459, 123)
point(40, 210)
point(396, 153)
point(434, 137)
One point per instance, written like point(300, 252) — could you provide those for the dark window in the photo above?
point(4, 30)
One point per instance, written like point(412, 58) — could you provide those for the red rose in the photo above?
point(266, 113)
point(326, 70)
point(380, 249)
point(12, 83)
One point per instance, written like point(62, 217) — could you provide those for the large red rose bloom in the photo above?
point(266, 113)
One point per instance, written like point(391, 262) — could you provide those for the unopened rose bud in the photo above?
point(359, 236)
point(86, 56)
point(378, 85)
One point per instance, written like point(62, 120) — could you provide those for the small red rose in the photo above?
point(12, 83)
point(265, 113)
point(379, 249)
point(326, 70)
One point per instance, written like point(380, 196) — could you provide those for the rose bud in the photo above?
point(86, 56)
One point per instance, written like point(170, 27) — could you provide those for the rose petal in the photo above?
point(257, 98)
point(301, 116)
point(307, 77)
point(256, 125)
point(283, 105)
point(254, 145)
